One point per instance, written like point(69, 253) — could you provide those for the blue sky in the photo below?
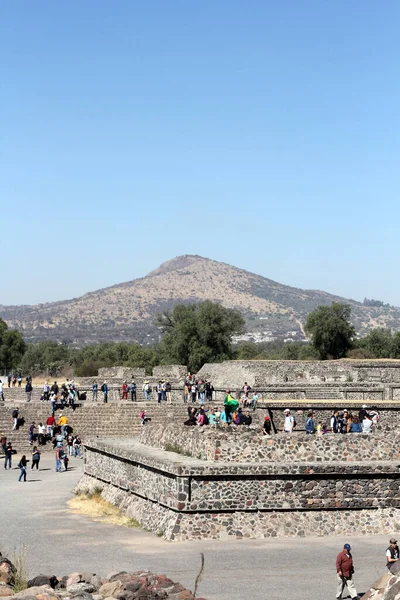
point(263, 134)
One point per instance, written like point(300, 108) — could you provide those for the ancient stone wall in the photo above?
point(262, 373)
point(123, 373)
point(183, 497)
point(170, 372)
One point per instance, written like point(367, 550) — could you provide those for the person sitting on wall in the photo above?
point(212, 417)
point(247, 418)
point(192, 417)
point(239, 417)
point(202, 418)
point(267, 426)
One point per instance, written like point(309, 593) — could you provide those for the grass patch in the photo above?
point(21, 570)
point(95, 507)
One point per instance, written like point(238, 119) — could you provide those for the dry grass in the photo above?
point(98, 509)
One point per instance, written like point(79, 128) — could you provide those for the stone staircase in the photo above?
point(88, 420)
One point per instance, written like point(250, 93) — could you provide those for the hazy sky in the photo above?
point(263, 134)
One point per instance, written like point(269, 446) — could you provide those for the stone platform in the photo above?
point(190, 483)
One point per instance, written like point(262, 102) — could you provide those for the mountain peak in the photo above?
point(179, 262)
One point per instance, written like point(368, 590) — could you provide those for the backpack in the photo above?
point(294, 422)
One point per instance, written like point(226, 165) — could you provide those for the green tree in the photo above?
point(44, 356)
point(12, 347)
point(330, 330)
point(198, 333)
point(378, 342)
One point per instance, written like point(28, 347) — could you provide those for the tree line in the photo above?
point(194, 334)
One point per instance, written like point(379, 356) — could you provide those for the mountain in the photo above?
point(126, 311)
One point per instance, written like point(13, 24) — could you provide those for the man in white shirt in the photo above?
point(1, 391)
point(289, 421)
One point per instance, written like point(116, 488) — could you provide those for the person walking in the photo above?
point(31, 432)
point(345, 572)
point(22, 465)
point(59, 454)
point(95, 388)
point(1, 390)
point(28, 390)
point(15, 415)
point(8, 452)
point(288, 422)
point(35, 458)
point(392, 553)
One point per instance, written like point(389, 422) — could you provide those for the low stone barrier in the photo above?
point(185, 497)
point(244, 445)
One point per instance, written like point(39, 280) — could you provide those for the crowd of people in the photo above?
point(58, 432)
point(365, 421)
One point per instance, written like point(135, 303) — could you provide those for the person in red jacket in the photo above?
point(345, 570)
point(124, 391)
point(50, 424)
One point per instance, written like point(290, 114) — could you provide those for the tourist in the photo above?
point(15, 415)
point(63, 422)
point(54, 388)
point(247, 419)
point(19, 380)
point(392, 553)
point(46, 391)
point(349, 421)
point(163, 391)
point(343, 421)
point(59, 455)
point(9, 377)
point(202, 418)
point(289, 422)
point(147, 390)
point(132, 390)
point(14, 380)
point(3, 442)
point(202, 391)
point(31, 432)
point(254, 401)
point(104, 389)
point(70, 444)
point(193, 391)
point(217, 413)
point(28, 390)
point(50, 424)
point(22, 466)
point(77, 447)
point(355, 425)
point(35, 458)
point(41, 434)
point(310, 427)
point(374, 414)
point(267, 426)
point(209, 390)
point(362, 412)
point(246, 390)
point(345, 571)
point(367, 424)
point(53, 401)
point(159, 392)
point(125, 391)
point(212, 418)
point(192, 416)
point(8, 452)
point(59, 440)
point(95, 389)
point(168, 392)
point(238, 419)
point(230, 405)
point(335, 421)
point(142, 417)
point(1, 391)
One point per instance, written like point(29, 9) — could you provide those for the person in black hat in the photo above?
point(345, 571)
point(392, 553)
